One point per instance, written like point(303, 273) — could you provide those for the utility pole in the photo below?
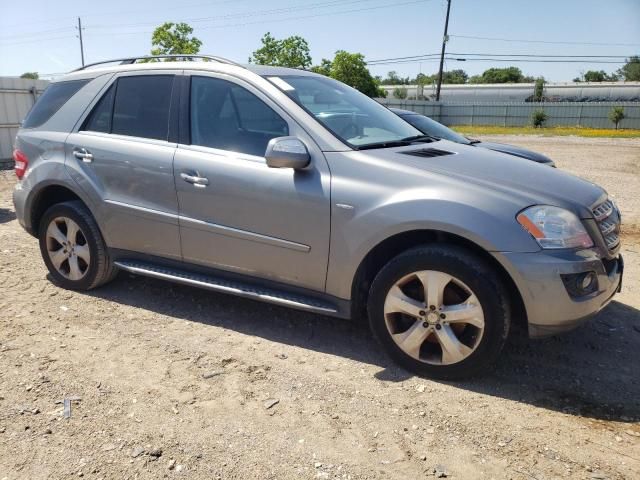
point(445, 38)
point(80, 36)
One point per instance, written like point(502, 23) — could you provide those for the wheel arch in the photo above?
point(392, 246)
point(48, 195)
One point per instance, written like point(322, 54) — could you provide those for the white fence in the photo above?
point(17, 96)
point(512, 114)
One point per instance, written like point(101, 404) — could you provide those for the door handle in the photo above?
point(83, 154)
point(195, 180)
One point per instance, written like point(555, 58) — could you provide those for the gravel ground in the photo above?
point(167, 381)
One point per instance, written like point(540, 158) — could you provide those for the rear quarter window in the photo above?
point(53, 98)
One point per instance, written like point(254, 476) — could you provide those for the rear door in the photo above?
point(122, 151)
point(244, 216)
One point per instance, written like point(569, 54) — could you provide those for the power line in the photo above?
point(505, 60)
point(546, 41)
point(427, 56)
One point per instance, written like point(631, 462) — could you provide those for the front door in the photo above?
point(122, 156)
point(236, 213)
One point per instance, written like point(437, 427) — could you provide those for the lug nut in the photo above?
point(422, 313)
point(438, 326)
point(443, 316)
point(432, 307)
point(425, 324)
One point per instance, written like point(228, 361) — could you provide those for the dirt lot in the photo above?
point(176, 382)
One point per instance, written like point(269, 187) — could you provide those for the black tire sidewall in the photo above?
point(471, 270)
point(70, 210)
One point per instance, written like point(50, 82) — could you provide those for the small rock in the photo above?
point(632, 433)
point(48, 431)
point(107, 447)
point(281, 356)
point(420, 388)
point(335, 416)
point(618, 439)
point(172, 464)
point(137, 451)
point(271, 403)
point(212, 374)
point(35, 411)
point(155, 452)
point(317, 464)
point(431, 430)
point(598, 476)
point(179, 468)
point(440, 471)
point(29, 387)
point(423, 457)
point(3, 429)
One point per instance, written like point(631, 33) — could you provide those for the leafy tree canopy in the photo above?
point(292, 52)
point(174, 39)
point(31, 75)
point(501, 75)
point(596, 76)
point(350, 68)
point(630, 72)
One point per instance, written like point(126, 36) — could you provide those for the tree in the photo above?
point(538, 117)
point(400, 93)
point(538, 90)
point(292, 52)
point(596, 76)
point(458, 76)
point(422, 79)
point(616, 114)
point(501, 75)
point(174, 39)
point(31, 75)
point(350, 68)
point(324, 68)
point(630, 72)
point(394, 79)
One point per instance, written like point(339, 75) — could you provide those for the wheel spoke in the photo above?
point(464, 313)
point(434, 284)
point(57, 257)
point(74, 268)
point(453, 350)
point(411, 340)
point(398, 302)
point(54, 232)
point(83, 252)
point(72, 230)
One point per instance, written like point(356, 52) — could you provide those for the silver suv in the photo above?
point(288, 187)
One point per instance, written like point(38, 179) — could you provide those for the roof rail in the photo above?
point(183, 57)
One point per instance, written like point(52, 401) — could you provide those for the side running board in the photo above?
point(233, 287)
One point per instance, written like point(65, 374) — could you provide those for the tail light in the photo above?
point(21, 162)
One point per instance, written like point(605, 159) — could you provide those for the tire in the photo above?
point(81, 263)
point(417, 340)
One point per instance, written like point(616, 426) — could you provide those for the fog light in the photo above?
point(580, 284)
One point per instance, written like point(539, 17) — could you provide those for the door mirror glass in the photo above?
point(287, 152)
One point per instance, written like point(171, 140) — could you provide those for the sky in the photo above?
point(40, 35)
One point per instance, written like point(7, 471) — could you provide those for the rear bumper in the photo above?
point(550, 309)
point(19, 203)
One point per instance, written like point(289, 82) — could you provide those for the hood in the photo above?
point(525, 182)
point(517, 151)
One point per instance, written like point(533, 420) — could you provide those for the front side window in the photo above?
point(53, 98)
point(134, 106)
point(229, 117)
point(351, 116)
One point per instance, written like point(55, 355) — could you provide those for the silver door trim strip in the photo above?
point(242, 234)
point(171, 217)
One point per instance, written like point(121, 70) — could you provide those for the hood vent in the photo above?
point(427, 152)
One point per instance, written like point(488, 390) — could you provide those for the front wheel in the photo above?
point(440, 311)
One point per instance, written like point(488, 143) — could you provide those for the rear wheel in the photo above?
point(440, 311)
point(73, 248)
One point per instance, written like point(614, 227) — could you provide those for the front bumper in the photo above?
point(549, 307)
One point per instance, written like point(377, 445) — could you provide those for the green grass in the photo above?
point(546, 131)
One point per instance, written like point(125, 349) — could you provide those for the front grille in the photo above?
point(608, 220)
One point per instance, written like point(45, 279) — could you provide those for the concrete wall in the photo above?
point(17, 96)
point(511, 114)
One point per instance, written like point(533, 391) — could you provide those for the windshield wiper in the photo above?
point(389, 144)
point(420, 138)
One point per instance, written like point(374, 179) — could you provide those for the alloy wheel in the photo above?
point(434, 317)
point(67, 248)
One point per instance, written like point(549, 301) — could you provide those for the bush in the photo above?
point(616, 114)
point(400, 93)
point(538, 117)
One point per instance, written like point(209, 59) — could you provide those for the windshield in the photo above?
point(351, 116)
point(433, 128)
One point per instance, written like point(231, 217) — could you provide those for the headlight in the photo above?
point(554, 227)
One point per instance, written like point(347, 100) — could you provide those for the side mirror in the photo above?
point(287, 152)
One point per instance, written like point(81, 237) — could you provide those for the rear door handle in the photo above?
point(83, 154)
point(195, 180)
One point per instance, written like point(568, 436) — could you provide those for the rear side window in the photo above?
point(229, 117)
point(54, 97)
point(134, 106)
